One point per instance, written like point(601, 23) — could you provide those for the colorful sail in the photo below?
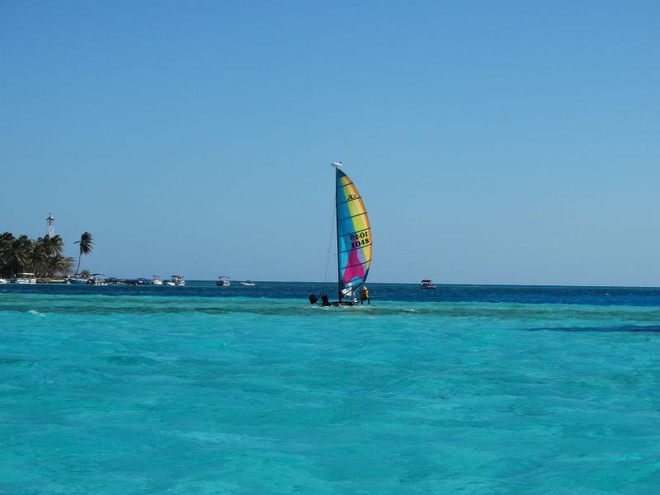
point(353, 236)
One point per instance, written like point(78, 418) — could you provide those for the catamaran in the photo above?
point(353, 240)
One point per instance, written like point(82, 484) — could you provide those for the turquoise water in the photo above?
point(127, 391)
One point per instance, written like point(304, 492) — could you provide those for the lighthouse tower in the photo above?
point(50, 225)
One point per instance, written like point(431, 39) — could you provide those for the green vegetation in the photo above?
point(86, 245)
point(44, 257)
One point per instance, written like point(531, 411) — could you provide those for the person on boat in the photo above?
point(324, 300)
point(313, 299)
point(364, 295)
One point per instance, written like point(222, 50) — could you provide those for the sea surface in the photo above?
point(251, 390)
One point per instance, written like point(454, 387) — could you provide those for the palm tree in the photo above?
point(47, 255)
point(54, 245)
point(39, 257)
point(6, 241)
point(86, 245)
point(62, 265)
point(20, 252)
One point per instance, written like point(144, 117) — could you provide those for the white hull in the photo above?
point(25, 278)
point(97, 279)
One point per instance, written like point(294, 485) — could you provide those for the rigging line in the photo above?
point(330, 238)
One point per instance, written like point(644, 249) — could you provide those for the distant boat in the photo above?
point(3, 280)
point(176, 280)
point(51, 280)
point(76, 281)
point(156, 280)
point(223, 281)
point(427, 284)
point(353, 241)
point(25, 278)
point(248, 283)
point(97, 279)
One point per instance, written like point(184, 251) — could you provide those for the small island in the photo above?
point(42, 259)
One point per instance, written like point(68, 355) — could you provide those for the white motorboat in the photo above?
point(156, 280)
point(177, 280)
point(223, 281)
point(247, 283)
point(427, 284)
point(25, 278)
point(97, 279)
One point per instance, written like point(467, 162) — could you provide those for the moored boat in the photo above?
point(177, 280)
point(97, 279)
point(247, 283)
point(223, 281)
point(25, 278)
point(427, 284)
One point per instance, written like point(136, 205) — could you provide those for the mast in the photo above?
point(337, 166)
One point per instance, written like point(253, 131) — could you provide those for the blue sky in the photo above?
point(507, 142)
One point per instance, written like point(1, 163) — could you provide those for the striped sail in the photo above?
point(353, 236)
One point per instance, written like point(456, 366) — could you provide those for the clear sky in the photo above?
point(492, 141)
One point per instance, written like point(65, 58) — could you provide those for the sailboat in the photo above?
point(353, 239)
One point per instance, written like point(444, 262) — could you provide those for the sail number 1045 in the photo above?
point(359, 240)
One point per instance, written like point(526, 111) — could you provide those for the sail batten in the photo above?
point(353, 216)
point(348, 251)
point(349, 201)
